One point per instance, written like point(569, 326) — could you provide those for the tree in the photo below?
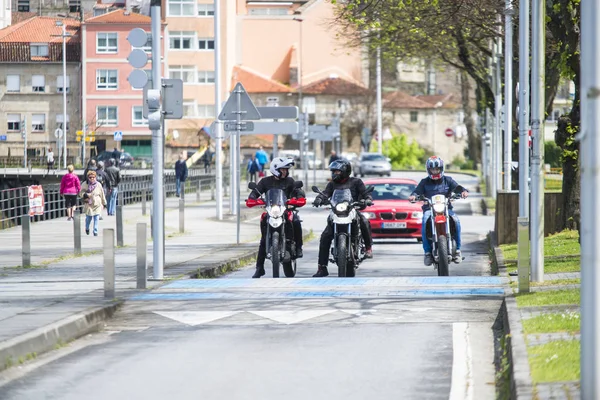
point(402, 154)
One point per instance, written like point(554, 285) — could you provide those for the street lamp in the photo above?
point(64, 35)
point(435, 107)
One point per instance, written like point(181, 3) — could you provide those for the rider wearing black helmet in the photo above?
point(340, 179)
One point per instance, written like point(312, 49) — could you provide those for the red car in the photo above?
point(392, 215)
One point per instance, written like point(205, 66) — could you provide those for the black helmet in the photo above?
point(340, 165)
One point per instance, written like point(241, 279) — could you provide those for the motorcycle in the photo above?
point(441, 230)
point(348, 247)
point(279, 239)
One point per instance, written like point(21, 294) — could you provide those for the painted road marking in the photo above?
point(462, 365)
point(194, 318)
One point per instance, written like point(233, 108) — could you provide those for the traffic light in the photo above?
point(153, 102)
point(138, 78)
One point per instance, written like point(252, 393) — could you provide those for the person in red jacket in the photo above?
point(69, 188)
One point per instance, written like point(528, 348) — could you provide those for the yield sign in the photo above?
point(247, 109)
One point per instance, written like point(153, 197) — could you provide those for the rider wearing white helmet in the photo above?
point(279, 179)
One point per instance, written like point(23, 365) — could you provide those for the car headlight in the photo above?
point(341, 207)
point(417, 215)
point(369, 215)
point(439, 207)
point(276, 211)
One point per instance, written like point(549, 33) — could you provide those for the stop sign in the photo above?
point(449, 132)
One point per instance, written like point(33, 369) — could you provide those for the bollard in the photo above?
point(181, 215)
point(142, 249)
point(77, 232)
point(144, 202)
point(120, 220)
point(109, 263)
point(151, 224)
point(198, 191)
point(26, 236)
point(523, 254)
point(212, 190)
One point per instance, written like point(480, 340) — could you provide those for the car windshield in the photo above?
point(392, 191)
point(374, 157)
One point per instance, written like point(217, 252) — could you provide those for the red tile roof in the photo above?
point(397, 100)
point(256, 83)
point(335, 86)
point(40, 30)
point(120, 16)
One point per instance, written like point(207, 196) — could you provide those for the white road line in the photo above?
point(462, 365)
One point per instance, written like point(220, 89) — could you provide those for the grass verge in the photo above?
point(555, 266)
point(559, 244)
point(557, 361)
point(569, 322)
point(554, 297)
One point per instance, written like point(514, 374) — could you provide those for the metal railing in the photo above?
point(14, 203)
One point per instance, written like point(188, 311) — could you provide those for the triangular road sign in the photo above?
point(230, 109)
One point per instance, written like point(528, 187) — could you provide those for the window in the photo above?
point(206, 10)
point(106, 115)
point(106, 79)
point(189, 108)
point(39, 50)
point(106, 42)
point(38, 122)
point(268, 11)
point(100, 11)
point(13, 83)
point(414, 116)
point(74, 6)
point(181, 8)
point(59, 121)
point(137, 117)
point(59, 84)
point(23, 5)
point(14, 122)
point(309, 105)
point(184, 72)
point(206, 110)
point(181, 40)
point(206, 76)
point(38, 83)
point(206, 44)
point(343, 105)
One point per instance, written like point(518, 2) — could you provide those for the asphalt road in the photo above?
point(396, 331)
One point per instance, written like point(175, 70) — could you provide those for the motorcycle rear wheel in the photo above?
point(275, 254)
point(289, 269)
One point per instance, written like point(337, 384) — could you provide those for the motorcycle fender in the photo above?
point(275, 222)
point(263, 216)
point(342, 220)
point(440, 219)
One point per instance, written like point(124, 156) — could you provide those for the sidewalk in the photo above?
point(61, 297)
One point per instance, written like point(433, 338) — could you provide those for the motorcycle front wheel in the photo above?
point(442, 256)
point(275, 254)
point(289, 268)
point(342, 255)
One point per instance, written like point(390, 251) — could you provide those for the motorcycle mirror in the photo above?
point(298, 184)
point(315, 189)
point(251, 185)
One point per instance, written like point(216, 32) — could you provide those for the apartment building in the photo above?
point(32, 84)
point(111, 106)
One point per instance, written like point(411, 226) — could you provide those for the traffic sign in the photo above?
point(278, 112)
point(58, 133)
point(449, 132)
point(118, 136)
point(232, 126)
point(3, 138)
point(247, 109)
point(274, 128)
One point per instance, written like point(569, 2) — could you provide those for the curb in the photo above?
point(29, 345)
point(521, 384)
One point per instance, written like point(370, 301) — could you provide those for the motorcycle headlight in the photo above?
point(369, 215)
point(439, 207)
point(417, 215)
point(341, 207)
point(276, 211)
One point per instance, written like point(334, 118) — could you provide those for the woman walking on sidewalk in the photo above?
point(69, 188)
point(50, 159)
point(93, 199)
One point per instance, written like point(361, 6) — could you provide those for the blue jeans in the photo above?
point(426, 243)
point(112, 201)
point(88, 219)
point(178, 183)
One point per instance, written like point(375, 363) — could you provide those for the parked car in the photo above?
point(126, 160)
point(372, 164)
point(392, 215)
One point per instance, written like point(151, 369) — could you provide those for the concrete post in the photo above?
point(144, 198)
point(120, 220)
point(181, 215)
point(141, 252)
point(77, 232)
point(109, 263)
point(26, 243)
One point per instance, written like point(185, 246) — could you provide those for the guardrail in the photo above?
point(14, 203)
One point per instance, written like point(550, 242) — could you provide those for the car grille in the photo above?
point(386, 215)
point(389, 215)
point(401, 215)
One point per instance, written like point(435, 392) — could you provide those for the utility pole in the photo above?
point(218, 133)
point(508, 94)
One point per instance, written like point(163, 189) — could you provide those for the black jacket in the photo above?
point(356, 186)
point(113, 176)
point(181, 170)
point(270, 182)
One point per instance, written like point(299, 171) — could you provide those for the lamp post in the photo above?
point(64, 35)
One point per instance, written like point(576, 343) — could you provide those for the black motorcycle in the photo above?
point(279, 240)
point(348, 247)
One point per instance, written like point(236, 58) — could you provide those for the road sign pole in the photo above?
point(315, 162)
point(218, 131)
point(237, 162)
point(83, 144)
point(24, 132)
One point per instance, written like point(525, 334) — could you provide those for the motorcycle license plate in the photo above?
point(394, 225)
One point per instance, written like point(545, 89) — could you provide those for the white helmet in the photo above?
point(280, 162)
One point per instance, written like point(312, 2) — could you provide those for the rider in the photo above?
point(437, 183)
point(340, 179)
point(279, 179)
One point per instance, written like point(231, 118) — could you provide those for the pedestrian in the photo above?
point(113, 174)
point(102, 179)
point(253, 168)
point(50, 159)
point(181, 173)
point(262, 157)
point(69, 188)
point(90, 167)
point(116, 154)
point(207, 160)
point(333, 157)
point(94, 200)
